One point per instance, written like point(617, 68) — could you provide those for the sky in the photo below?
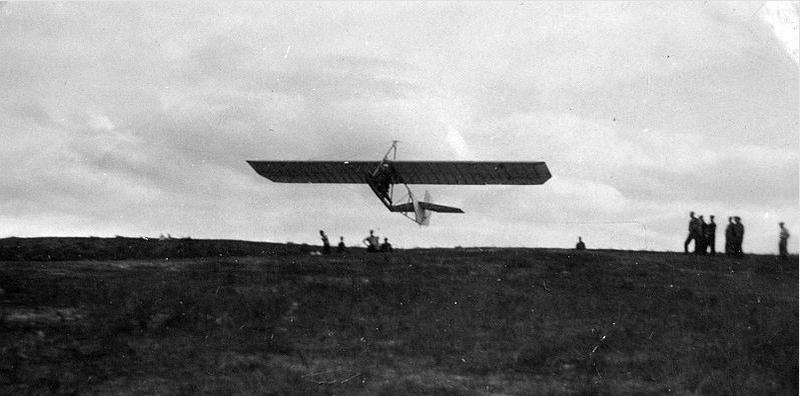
point(136, 119)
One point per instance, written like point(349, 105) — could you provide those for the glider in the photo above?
point(382, 176)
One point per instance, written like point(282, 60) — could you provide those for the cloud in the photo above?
point(27, 110)
point(457, 143)
point(101, 123)
point(322, 79)
point(783, 19)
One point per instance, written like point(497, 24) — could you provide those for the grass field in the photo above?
point(432, 321)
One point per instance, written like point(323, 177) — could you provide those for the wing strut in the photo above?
point(382, 181)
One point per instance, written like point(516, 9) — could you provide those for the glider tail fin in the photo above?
point(426, 214)
point(421, 215)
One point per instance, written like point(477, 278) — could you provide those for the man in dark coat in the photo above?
point(326, 246)
point(710, 235)
point(580, 245)
point(729, 237)
point(738, 236)
point(694, 231)
point(341, 248)
point(386, 247)
point(700, 239)
point(783, 238)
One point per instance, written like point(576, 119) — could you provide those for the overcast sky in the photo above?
point(136, 119)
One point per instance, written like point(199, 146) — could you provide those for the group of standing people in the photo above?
point(372, 243)
point(326, 245)
point(734, 235)
point(704, 235)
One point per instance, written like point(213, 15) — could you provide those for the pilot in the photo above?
point(371, 242)
point(383, 187)
point(386, 247)
point(384, 181)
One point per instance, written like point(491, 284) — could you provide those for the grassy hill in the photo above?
point(428, 321)
point(121, 248)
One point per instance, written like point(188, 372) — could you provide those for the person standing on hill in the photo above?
point(700, 240)
point(710, 235)
point(729, 237)
point(386, 247)
point(694, 231)
point(372, 242)
point(738, 236)
point(783, 238)
point(326, 246)
point(341, 248)
point(580, 245)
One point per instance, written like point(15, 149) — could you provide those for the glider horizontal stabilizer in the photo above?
point(409, 207)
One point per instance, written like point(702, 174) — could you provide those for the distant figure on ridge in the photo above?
point(738, 236)
point(326, 246)
point(710, 236)
point(371, 242)
point(783, 238)
point(341, 248)
point(700, 239)
point(580, 245)
point(694, 232)
point(386, 247)
point(729, 237)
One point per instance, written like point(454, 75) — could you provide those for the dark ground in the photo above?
point(433, 321)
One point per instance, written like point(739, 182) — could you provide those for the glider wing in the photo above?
point(314, 171)
point(475, 173)
point(408, 172)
